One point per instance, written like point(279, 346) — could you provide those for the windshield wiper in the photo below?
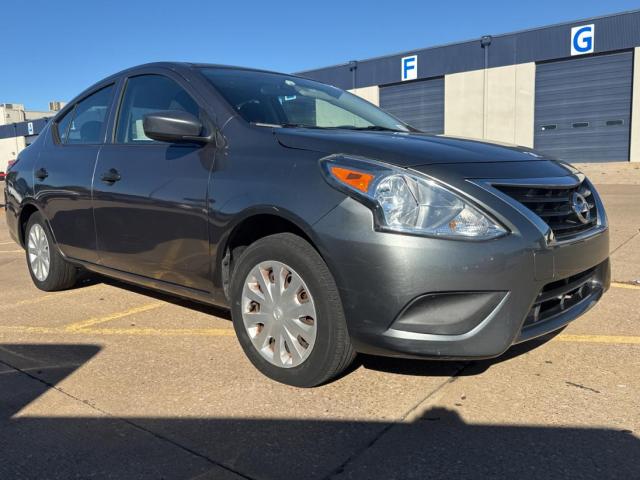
point(298, 125)
point(373, 128)
point(340, 127)
point(283, 125)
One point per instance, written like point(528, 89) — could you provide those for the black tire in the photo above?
point(332, 351)
point(62, 275)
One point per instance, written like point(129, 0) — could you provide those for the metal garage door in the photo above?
point(420, 104)
point(583, 108)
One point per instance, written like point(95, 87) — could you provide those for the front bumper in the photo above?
point(383, 276)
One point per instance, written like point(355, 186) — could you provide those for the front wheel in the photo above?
point(287, 312)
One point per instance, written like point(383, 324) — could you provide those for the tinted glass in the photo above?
point(89, 117)
point(147, 94)
point(270, 98)
point(63, 125)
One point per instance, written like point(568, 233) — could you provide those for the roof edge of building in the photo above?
point(461, 42)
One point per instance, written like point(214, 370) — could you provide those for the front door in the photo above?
point(149, 197)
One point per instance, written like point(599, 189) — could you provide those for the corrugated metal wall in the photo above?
point(583, 108)
point(420, 104)
point(614, 32)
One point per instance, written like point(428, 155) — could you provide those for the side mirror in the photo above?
point(174, 126)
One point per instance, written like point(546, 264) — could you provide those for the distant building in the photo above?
point(570, 90)
point(20, 127)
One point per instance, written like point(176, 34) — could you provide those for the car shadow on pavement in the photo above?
point(72, 437)
point(165, 297)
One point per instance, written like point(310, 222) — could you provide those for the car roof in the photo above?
point(168, 65)
point(194, 65)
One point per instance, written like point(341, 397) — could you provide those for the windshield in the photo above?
point(274, 99)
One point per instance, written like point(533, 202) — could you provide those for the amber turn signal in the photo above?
point(353, 178)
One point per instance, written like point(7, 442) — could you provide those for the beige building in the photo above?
point(14, 114)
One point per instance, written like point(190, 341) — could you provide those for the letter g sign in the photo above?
point(583, 39)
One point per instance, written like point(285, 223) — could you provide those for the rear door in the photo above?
point(64, 171)
point(149, 197)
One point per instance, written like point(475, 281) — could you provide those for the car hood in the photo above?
point(404, 149)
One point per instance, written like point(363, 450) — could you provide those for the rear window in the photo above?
point(84, 123)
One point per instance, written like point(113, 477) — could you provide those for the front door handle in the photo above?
point(41, 173)
point(111, 176)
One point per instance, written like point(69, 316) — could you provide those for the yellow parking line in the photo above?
point(159, 332)
point(11, 251)
point(625, 285)
point(229, 332)
point(607, 339)
point(96, 320)
point(7, 243)
point(164, 332)
point(48, 296)
point(27, 329)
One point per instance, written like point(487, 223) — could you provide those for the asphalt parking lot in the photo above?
point(112, 381)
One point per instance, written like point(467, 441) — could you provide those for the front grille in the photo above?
point(554, 206)
point(562, 295)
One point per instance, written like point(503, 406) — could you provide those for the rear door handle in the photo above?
point(111, 176)
point(41, 174)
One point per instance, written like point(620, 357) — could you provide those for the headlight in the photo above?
point(407, 202)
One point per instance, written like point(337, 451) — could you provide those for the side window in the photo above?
point(63, 125)
point(146, 94)
point(84, 123)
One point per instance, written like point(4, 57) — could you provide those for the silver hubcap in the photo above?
point(279, 314)
point(38, 247)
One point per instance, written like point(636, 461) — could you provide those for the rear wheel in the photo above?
point(49, 270)
point(287, 312)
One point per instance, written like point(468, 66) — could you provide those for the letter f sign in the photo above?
point(409, 68)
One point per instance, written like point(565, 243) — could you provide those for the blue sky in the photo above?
point(54, 49)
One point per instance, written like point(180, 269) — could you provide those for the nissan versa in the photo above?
point(327, 226)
